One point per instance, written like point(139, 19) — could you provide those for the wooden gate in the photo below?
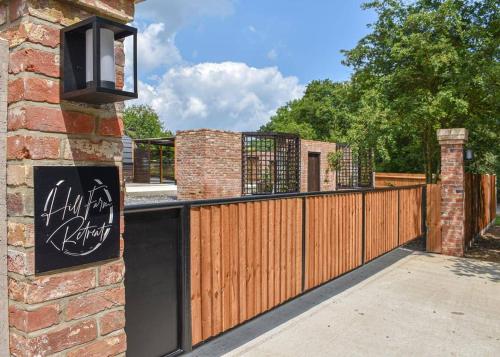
point(434, 244)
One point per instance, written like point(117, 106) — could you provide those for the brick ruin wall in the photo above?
point(327, 176)
point(207, 164)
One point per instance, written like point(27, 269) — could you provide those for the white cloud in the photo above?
point(228, 95)
point(156, 48)
point(272, 54)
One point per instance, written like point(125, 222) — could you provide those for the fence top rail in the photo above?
point(158, 206)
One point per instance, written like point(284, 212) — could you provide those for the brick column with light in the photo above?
point(78, 311)
point(452, 143)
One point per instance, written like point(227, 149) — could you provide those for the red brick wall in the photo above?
point(452, 190)
point(327, 177)
point(75, 311)
point(208, 164)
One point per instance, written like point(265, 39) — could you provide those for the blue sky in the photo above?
point(228, 64)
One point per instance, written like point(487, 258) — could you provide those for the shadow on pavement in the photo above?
point(478, 269)
point(266, 322)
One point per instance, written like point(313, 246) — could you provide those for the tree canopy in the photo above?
point(141, 122)
point(427, 64)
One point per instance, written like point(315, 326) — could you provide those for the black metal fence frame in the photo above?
point(276, 170)
point(184, 246)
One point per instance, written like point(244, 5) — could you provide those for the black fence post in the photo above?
point(186, 336)
point(363, 228)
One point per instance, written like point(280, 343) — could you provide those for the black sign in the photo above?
point(77, 216)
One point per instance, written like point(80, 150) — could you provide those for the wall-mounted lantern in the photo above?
point(88, 61)
point(469, 155)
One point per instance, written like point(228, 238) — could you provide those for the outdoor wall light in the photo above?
point(469, 154)
point(88, 61)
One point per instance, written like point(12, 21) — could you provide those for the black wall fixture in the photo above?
point(88, 61)
point(77, 216)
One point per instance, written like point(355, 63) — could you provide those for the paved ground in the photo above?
point(404, 303)
point(139, 193)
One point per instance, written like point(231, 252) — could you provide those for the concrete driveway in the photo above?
point(405, 303)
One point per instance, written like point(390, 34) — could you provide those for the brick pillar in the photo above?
point(78, 311)
point(452, 190)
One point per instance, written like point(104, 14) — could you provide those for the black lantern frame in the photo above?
point(73, 62)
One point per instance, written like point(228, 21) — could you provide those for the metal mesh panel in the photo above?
point(355, 169)
point(271, 163)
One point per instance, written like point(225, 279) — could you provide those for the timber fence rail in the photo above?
point(393, 179)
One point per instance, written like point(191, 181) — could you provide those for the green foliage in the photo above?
point(427, 64)
point(141, 122)
point(334, 160)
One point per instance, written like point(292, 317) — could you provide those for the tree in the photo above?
point(434, 64)
point(141, 121)
point(323, 113)
point(427, 64)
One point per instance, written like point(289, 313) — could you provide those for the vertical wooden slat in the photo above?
point(309, 243)
point(250, 267)
point(298, 240)
point(290, 249)
point(234, 235)
point(270, 285)
point(196, 316)
point(258, 258)
point(226, 268)
point(264, 253)
point(216, 270)
point(283, 236)
point(242, 233)
point(206, 274)
point(277, 252)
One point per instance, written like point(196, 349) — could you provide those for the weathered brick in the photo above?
point(87, 150)
point(57, 12)
point(112, 321)
point(33, 320)
point(18, 175)
point(32, 147)
point(34, 60)
point(50, 120)
point(17, 8)
point(3, 13)
point(17, 290)
point(21, 262)
point(106, 347)
point(20, 234)
point(33, 32)
point(93, 303)
point(51, 287)
point(111, 127)
point(111, 273)
point(15, 204)
point(54, 341)
point(34, 89)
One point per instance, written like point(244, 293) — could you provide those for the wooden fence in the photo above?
point(480, 204)
point(248, 257)
point(389, 179)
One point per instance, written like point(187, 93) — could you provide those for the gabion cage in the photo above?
point(355, 168)
point(271, 163)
